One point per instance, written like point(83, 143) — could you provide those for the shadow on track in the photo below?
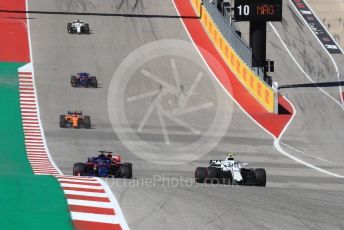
point(309, 85)
point(99, 14)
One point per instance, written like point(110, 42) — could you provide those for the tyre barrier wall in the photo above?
point(258, 88)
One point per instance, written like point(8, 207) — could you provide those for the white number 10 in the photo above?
point(244, 9)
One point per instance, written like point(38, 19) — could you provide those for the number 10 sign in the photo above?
point(258, 10)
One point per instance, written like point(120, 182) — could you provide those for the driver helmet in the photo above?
point(116, 159)
point(102, 156)
point(230, 156)
point(109, 156)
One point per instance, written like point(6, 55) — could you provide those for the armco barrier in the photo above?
point(258, 88)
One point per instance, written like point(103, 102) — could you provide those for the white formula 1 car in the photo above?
point(230, 171)
point(78, 27)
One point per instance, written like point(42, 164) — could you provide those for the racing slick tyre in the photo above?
point(93, 82)
point(212, 175)
point(87, 122)
point(126, 170)
point(73, 81)
point(260, 177)
point(69, 28)
point(79, 169)
point(200, 174)
point(115, 171)
point(227, 179)
point(63, 122)
point(86, 28)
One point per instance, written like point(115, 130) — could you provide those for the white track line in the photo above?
point(321, 44)
point(279, 149)
point(88, 203)
point(32, 80)
point(76, 181)
point(109, 219)
point(285, 153)
point(302, 70)
point(96, 186)
point(32, 96)
point(276, 139)
point(115, 204)
point(76, 178)
point(331, 57)
point(311, 156)
point(340, 104)
point(90, 194)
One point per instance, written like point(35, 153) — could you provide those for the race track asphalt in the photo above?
point(163, 195)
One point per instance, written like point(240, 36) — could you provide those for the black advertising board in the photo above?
point(258, 10)
point(316, 27)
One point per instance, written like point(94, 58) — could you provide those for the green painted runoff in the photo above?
point(27, 201)
point(13, 156)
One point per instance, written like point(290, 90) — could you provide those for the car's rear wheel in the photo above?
point(87, 122)
point(260, 177)
point(73, 82)
point(63, 122)
point(115, 171)
point(200, 174)
point(126, 170)
point(212, 175)
point(79, 169)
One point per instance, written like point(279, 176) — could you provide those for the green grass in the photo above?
point(27, 201)
point(12, 149)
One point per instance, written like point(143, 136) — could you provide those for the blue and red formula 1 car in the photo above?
point(83, 79)
point(104, 166)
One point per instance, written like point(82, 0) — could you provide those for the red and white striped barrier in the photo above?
point(91, 202)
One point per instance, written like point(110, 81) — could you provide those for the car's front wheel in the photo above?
point(73, 81)
point(87, 122)
point(87, 28)
point(69, 27)
point(63, 122)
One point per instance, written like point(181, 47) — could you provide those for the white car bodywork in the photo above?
point(230, 171)
point(77, 25)
point(230, 165)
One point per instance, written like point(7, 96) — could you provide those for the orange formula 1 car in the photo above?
point(75, 120)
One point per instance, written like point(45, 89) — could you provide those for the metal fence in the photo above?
point(229, 32)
